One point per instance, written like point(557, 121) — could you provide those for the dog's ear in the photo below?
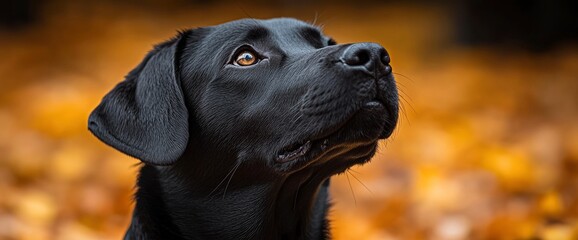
point(145, 115)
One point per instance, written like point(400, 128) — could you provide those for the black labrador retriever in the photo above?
point(241, 125)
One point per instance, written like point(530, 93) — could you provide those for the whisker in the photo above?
point(369, 190)
point(247, 14)
point(224, 178)
point(353, 171)
point(404, 112)
point(406, 77)
point(403, 93)
point(404, 97)
point(231, 178)
point(351, 188)
point(315, 19)
point(324, 22)
point(400, 85)
point(394, 134)
point(403, 86)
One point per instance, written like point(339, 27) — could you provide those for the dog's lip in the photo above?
point(294, 152)
point(298, 151)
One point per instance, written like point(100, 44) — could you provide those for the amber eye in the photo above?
point(246, 58)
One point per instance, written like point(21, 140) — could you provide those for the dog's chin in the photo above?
point(354, 140)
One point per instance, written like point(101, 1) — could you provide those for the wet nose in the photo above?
point(368, 56)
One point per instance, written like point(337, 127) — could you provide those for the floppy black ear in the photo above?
point(145, 115)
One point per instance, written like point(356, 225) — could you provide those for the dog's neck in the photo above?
point(172, 205)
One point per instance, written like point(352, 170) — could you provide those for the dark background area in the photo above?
point(537, 25)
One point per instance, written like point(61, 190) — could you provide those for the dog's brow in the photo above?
point(257, 33)
point(312, 35)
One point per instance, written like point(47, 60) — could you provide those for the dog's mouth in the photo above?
point(293, 152)
point(299, 150)
point(316, 146)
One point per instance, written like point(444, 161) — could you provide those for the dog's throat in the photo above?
point(294, 152)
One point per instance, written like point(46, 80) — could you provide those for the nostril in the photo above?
point(364, 56)
point(385, 57)
point(359, 57)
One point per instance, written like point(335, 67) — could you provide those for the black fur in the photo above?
point(233, 152)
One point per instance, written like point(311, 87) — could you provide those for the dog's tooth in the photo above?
point(324, 144)
point(289, 156)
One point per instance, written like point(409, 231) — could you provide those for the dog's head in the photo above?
point(276, 92)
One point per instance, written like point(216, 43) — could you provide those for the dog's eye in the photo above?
point(246, 58)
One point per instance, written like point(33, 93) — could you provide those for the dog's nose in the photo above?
point(367, 55)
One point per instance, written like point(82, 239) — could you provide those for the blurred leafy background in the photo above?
point(487, 147)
